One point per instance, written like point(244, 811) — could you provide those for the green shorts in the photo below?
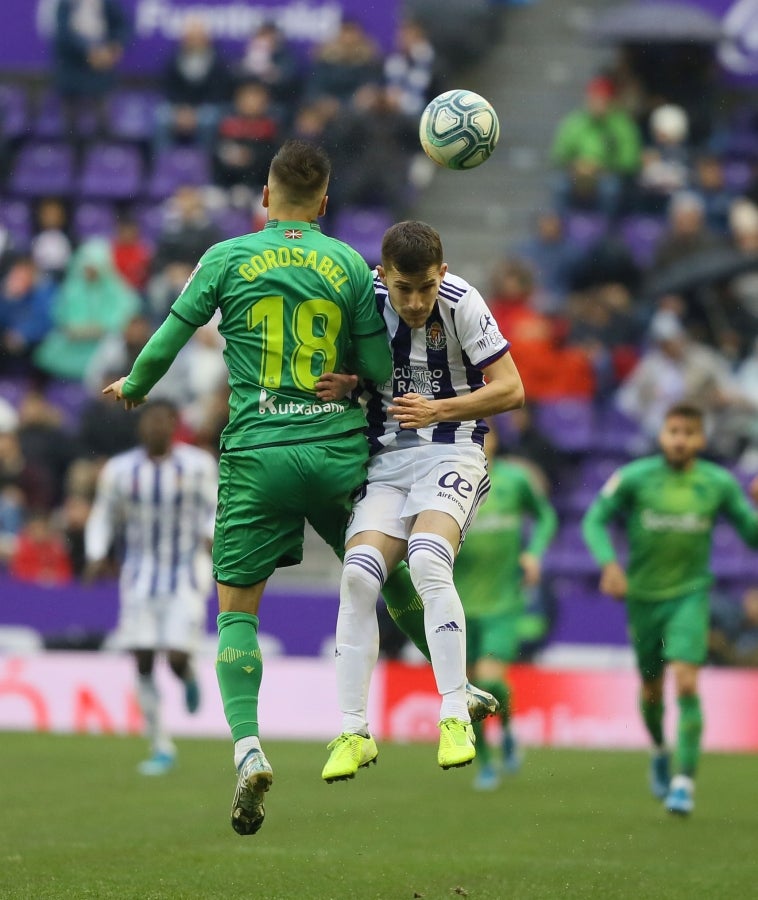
point(668, 630)
point(266, 495)
point(494, 636)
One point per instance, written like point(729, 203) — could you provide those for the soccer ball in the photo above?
point(459, 130)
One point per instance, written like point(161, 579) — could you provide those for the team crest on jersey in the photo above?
point(293, 234)
point(191, 276)
point(435, 336)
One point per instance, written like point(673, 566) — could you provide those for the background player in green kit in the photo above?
point(292, 302)
point(491, 571)
point(669, 504)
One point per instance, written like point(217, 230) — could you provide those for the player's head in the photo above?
point(682, 435)
point(157, 424)
point(297, 182)
point(412, 269)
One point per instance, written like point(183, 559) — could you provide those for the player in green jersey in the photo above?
point(491, 571)
point(669, 504)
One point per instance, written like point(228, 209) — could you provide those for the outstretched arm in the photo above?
point(152, 363)
point(502, 392)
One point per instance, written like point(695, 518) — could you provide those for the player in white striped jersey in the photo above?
point(158, 501)
point(426, 478)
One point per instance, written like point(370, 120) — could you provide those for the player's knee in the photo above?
point(363, 575)
point(178, 662)
point(430, 561)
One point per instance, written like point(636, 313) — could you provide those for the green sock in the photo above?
point(690, 730)
point(502, 693)
point(405, 606)
point(652, 716)
point(483, 752)
point(239, 668)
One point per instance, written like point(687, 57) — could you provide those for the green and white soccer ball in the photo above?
point(459, 130)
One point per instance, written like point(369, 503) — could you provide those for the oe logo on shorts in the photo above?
point(454, 481)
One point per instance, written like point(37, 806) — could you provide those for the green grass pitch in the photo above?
point(78, 822)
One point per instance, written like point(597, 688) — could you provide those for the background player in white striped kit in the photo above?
point(426, 478)
point(159, 500)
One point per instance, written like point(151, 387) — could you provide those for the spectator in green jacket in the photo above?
point(597, 148)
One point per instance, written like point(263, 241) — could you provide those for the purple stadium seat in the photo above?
point(569, 424)
point(616, 433)
point(13, 390)
point(641, 235)
point(234, 222)
point(50, 121)
point(568, 554)
point(43, 168)
point(363, 228)
point(583, 229)
point(176, 167)
point(150, 217)
point(14, 111)
point(93, 220)
point(591, 475)
point(111, 171)
point(16, 216)
point(131, 115)
point(738, 174)
point(730, 558)
point(70, 397)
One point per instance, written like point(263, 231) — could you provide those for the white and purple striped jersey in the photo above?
point(163, 511)
point(442, 359)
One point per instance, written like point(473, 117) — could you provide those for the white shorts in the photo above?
point(175, 622)
point(450, 478)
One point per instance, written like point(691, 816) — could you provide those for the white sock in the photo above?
point(149, 700)
point(430, 559)
point(363, 575)
point(243, 746)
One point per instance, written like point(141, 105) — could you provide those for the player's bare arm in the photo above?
point(613, 581)
point(531, 568)
point(502, 392)
point(116, 389)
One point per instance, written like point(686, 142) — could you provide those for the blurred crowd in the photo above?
point(638, 287)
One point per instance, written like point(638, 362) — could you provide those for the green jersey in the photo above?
point(669, 516)
point(292, 301)
point(487, 573)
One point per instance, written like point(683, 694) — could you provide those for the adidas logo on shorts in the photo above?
point(448, 626)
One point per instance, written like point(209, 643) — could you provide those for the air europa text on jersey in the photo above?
point(284, 257)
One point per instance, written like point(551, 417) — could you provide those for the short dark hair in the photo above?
point(411, 247)
point(685, 411)
point(160, 405)
point(301, 171)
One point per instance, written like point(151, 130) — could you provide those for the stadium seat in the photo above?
point(176, 167)
point(641, 235)
point(583, 228)
point(13, 390)
point(568, 554)
point(70, 397)
point(43, 168)
point(569, 424)
point(50, 121)
point(93, 220)
point(363, 228)
point(16, 216)
point(738, 173)
point(150, 217)
point(111, 171)
point(616, 433)
point(14, 111)
point(131, 115)
point(234, 222)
